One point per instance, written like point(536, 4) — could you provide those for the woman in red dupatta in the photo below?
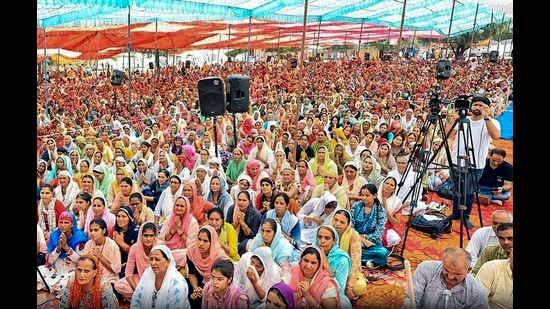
point(200, 257)
point(199, 205)
point(311, 284)
point(138, 258)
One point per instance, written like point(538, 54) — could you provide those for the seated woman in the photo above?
point(221, 291)
point(256, 272)
point(368, 219)
point(350, 241)
point(165, 203)
point(392, 204)
point(87, 185)
point(138, 260)
point(49, 210)
point(311, 285)
point(218, 194)
point(67, 189)
point(198, 204)
point(279, 296)
point(337, 262)
point(104, 249)
point(290, 226)
point(161, 285)
point(246, 220)
point(236, 166)
point(282, 250)
point(180, 230)
point(226, 232)
point(264, 200)
point(314, 213)
point(99, 211)
point(65, 245)
point(82, 202)
point(87, 288)
point(243, 183)
point(125, 234)
point(127, 186)
point(200, 257)
point(291, 186)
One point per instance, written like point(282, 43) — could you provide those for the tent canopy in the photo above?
point(102, 28)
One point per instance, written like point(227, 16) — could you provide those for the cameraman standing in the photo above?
point(476, 133)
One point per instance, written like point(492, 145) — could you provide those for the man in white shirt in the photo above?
point(478, 131)
point(486, 235)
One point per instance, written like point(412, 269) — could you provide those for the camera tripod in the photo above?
point(420, 162)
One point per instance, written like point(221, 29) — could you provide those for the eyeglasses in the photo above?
point(135, 204)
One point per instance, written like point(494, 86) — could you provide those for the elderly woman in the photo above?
point(162, 285)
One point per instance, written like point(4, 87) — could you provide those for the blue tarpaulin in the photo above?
point(506, 120)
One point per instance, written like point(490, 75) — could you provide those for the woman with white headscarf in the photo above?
point(162, 285)
point(167, 199)
point(255, 273)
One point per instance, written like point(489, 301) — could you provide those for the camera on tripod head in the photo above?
point(436, 102)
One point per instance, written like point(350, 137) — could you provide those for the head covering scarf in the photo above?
point(167, 199)
point(254, 163)
point(76, 291)
point(137, 249)
point(176, 242)
point(308, 180)
point(147, 282)
point(286, 291)
point(77, 237)
point(235, 169)
point(109, 217)
point(132, 231)
point(190, 155)
point(320, 282)
point(269, 276)
point(216, 251)
point(338, 259)
point(199, 205)
point(224, 198)
point(281, 248)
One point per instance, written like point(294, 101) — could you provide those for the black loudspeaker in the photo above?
point(238, 93)
point(117, 77)
point(293, 63)
point(493, 56)
point(151, 65)
point(211, 99)
point(187, 64)
point(443, 69)
point(268, 59)
point(366, 57)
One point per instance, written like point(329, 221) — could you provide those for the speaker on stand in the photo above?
point(238, 93)
point(443, 69)
point(117, 77)
point(211, 96)
point(493, 56)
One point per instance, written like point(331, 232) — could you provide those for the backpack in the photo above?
point(433, 223)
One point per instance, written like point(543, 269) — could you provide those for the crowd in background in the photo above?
point(111, 160)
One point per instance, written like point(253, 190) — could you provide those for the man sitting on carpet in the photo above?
point(446, 283)
point(487, 235)
point(495, 182)
point(505, 234)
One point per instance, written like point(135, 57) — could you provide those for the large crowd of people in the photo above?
point(309, 177)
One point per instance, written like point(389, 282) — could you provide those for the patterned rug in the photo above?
point(386, 288)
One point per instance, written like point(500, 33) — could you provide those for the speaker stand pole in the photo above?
point(235, 139)
point(115, 98)
point(215, 138)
